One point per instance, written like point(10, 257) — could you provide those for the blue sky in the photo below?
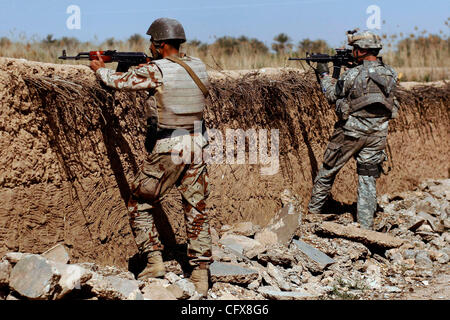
point(206, 19)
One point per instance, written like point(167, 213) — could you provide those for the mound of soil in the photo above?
point(70, 146)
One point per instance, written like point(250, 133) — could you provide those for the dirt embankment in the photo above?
point(69, 147)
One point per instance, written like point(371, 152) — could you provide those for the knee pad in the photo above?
point(370, 170)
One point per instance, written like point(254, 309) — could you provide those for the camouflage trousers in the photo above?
point(157, 176)
point(367, 150)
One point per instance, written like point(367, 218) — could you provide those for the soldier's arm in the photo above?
point(336, 89)
point(146, 76)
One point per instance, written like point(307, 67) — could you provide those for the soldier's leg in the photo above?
point(367, 200)
point(369, 162)
point(157, 175)
point(339, 150)
point(194, 187)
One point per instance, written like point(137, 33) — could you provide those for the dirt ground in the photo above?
point(69, 147)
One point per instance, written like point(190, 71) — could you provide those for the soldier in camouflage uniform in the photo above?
point(364, 104)
point(178, 100)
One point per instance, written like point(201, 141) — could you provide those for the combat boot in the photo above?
point(155, 267)
point(199, 277)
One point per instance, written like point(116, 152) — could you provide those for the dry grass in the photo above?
point(418, 57)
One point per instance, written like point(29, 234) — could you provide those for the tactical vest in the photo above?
point(180, 102)
point(372, 93)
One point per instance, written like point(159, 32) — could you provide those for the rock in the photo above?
point(267, 238)
point(282, 227)
point(226, 272)
point(11, 297)
point(243, 245)
point(107, 270)
point(72, 277)
point(392, 289)
point(278, 256)
point(34, 278)
point(443, 258)
point(171, 277)
point(226, 291)
point(153, 291)
point(367, 237)
point(409, 254)
point(114, 288)
point(433, 222)
point(254, 285)
point(219, 254)
point(271, 293)
point(423, 259)
point(373, 274)
point(187, 287)
point(176, 291)
point(278, 276)
point(263, 275)
point(315, 260)
point(14, 257)
point(57, 253)
point(5, 270)
point(214, 235)
point(246, 228)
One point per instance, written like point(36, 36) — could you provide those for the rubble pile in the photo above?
point(295, 257)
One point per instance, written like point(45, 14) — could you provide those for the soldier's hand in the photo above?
point(322, 68)
point(97, 64)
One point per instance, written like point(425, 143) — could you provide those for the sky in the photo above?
point(205, 20)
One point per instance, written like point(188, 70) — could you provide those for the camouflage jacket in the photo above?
point(355, 125)
point(146, 76)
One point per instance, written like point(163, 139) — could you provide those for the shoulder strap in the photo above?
point(191, 72)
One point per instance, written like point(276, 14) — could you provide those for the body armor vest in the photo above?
point(180, 102)
point(372, 93)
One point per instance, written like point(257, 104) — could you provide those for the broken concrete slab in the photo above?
point(5, 270)
point(231, 273)
point(153, 291)
point(367, 237)
point(35, 278)
point(176, 291)
point(72, 277)
point(271, 293)
point(281, 256)
point(114, 288)
point(245, 228)
point(312, 258)
point(187, 287)
point(14, 257)
point(283, 226)
point(276, 274)
point(58, 253)
point(243, 245)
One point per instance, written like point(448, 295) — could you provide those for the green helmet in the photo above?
point(166, 29)
point(364, 40)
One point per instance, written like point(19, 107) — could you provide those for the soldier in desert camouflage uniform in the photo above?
point(177, 103)
point(364, 104)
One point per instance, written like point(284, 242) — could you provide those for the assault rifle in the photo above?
point(343, 57)
point(125, 59)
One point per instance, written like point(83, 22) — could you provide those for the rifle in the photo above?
point(343, 57)
point(125, 59)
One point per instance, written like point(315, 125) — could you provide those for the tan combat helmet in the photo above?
point(364, 40)
point(166, 29)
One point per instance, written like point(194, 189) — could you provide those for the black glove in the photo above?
point(322, 68)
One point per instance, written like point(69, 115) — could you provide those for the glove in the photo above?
point(322, 68)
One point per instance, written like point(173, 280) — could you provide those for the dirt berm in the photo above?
point(69, 148)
